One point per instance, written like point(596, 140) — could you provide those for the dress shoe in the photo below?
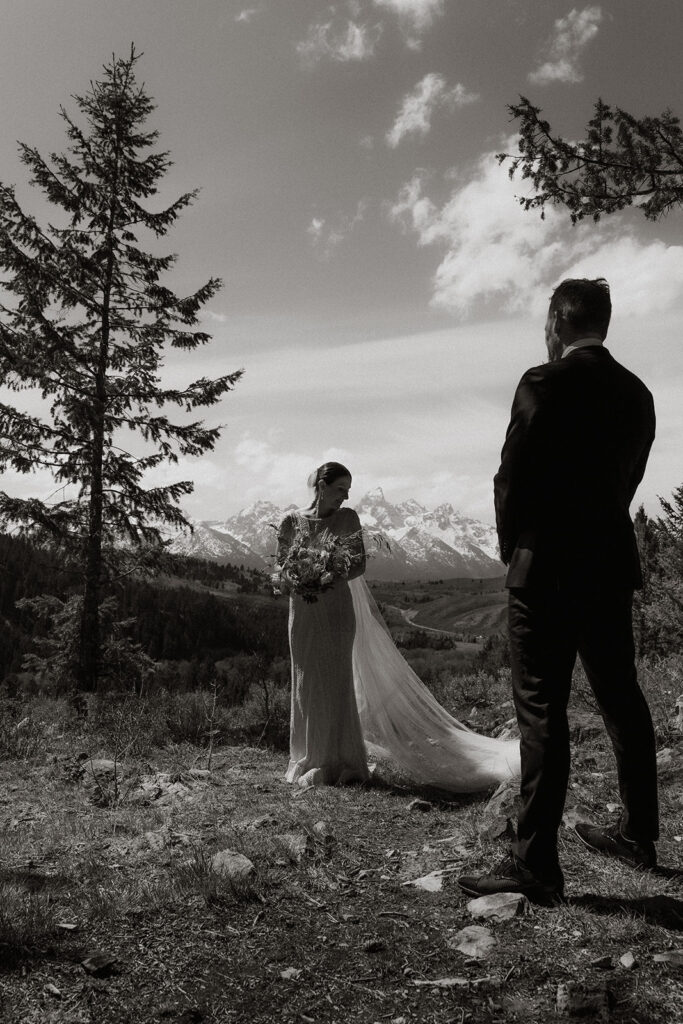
point(612, 843)
point(511, 875)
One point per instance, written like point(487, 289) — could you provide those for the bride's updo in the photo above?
point(328, 473)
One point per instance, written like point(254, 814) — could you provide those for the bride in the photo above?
point(354, 697)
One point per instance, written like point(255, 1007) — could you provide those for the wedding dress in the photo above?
point(325, 739)
point(403, 723)
point(355, 698)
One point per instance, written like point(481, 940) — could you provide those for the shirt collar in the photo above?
point(581, 343)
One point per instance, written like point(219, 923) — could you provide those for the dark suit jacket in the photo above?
point(575, 451)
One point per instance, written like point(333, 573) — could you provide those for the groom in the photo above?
point(575, 451)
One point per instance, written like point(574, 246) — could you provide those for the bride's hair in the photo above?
point(328, 473)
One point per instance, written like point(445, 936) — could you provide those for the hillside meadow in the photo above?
point(115, 905)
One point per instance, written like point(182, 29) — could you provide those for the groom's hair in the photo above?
point(584, 304)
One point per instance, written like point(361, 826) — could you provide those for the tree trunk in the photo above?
point(90, 641)
point(89, 660)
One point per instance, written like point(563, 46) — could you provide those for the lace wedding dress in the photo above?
point(355, 698)
point(325, 740)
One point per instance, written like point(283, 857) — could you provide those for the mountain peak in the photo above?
point(376, 494)
point(424, 543)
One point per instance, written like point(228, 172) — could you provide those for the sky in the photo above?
point(383, 289)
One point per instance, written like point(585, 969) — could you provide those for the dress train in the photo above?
point(403, 723)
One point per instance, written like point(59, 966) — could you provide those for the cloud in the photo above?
point(247, 15)
point(342, 43)
point(418, 106)
point(326, 235)
point(415, 17)
point(280, 476)
point(572, 34)
point(495, 251)
point(217, 318)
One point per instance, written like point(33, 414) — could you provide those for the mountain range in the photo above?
point(418, 543)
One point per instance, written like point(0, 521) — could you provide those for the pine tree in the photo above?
point(84, 323)
point(622, 160)
point(659, 605)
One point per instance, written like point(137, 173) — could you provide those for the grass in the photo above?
point(331, 935)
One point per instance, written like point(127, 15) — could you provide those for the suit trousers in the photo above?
point(548, 627)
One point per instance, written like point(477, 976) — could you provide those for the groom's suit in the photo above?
point(574, 454)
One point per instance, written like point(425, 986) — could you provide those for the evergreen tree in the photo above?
point(622, 160)
point(84, 323)
point(659, 606)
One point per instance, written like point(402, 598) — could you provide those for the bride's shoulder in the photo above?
point(288, 520)
point(349, 515)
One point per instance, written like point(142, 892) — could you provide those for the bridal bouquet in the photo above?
point(312, 564)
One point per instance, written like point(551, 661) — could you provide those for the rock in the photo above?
point(499, 828)
point(664, 756)
point(52, 990)
point(100, 965)
point(579, 812)
point(420, 805)
point(290, 974)
point(499, 906)
point(474, 941)
point(232, 865)
point(503, 801)
point(508, 730)
point(173, 791)
point(433, 882)
point(297, 844)
point(578, 1000)
point(628, 961)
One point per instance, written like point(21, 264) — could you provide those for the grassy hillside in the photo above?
point(112, 908)
point(461, 606)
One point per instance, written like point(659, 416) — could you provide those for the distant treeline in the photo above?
point(172, 618)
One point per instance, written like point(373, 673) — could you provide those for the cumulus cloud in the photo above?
point(246, 15)
point(340, 42)
point(280, 476)
point(418, 106)
point(415, 17)
point(326, 234)
point(572, 34)
point(494, 250)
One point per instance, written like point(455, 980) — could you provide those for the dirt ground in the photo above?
point(112, 907)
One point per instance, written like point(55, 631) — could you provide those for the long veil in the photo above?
point(405, 725)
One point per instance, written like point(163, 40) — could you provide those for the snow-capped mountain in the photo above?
point(420, 543)
point(204, 541)
point(428, 544)
point(254, 526)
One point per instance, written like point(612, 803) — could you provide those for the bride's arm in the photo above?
point(356, 546)
point(285, 536)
